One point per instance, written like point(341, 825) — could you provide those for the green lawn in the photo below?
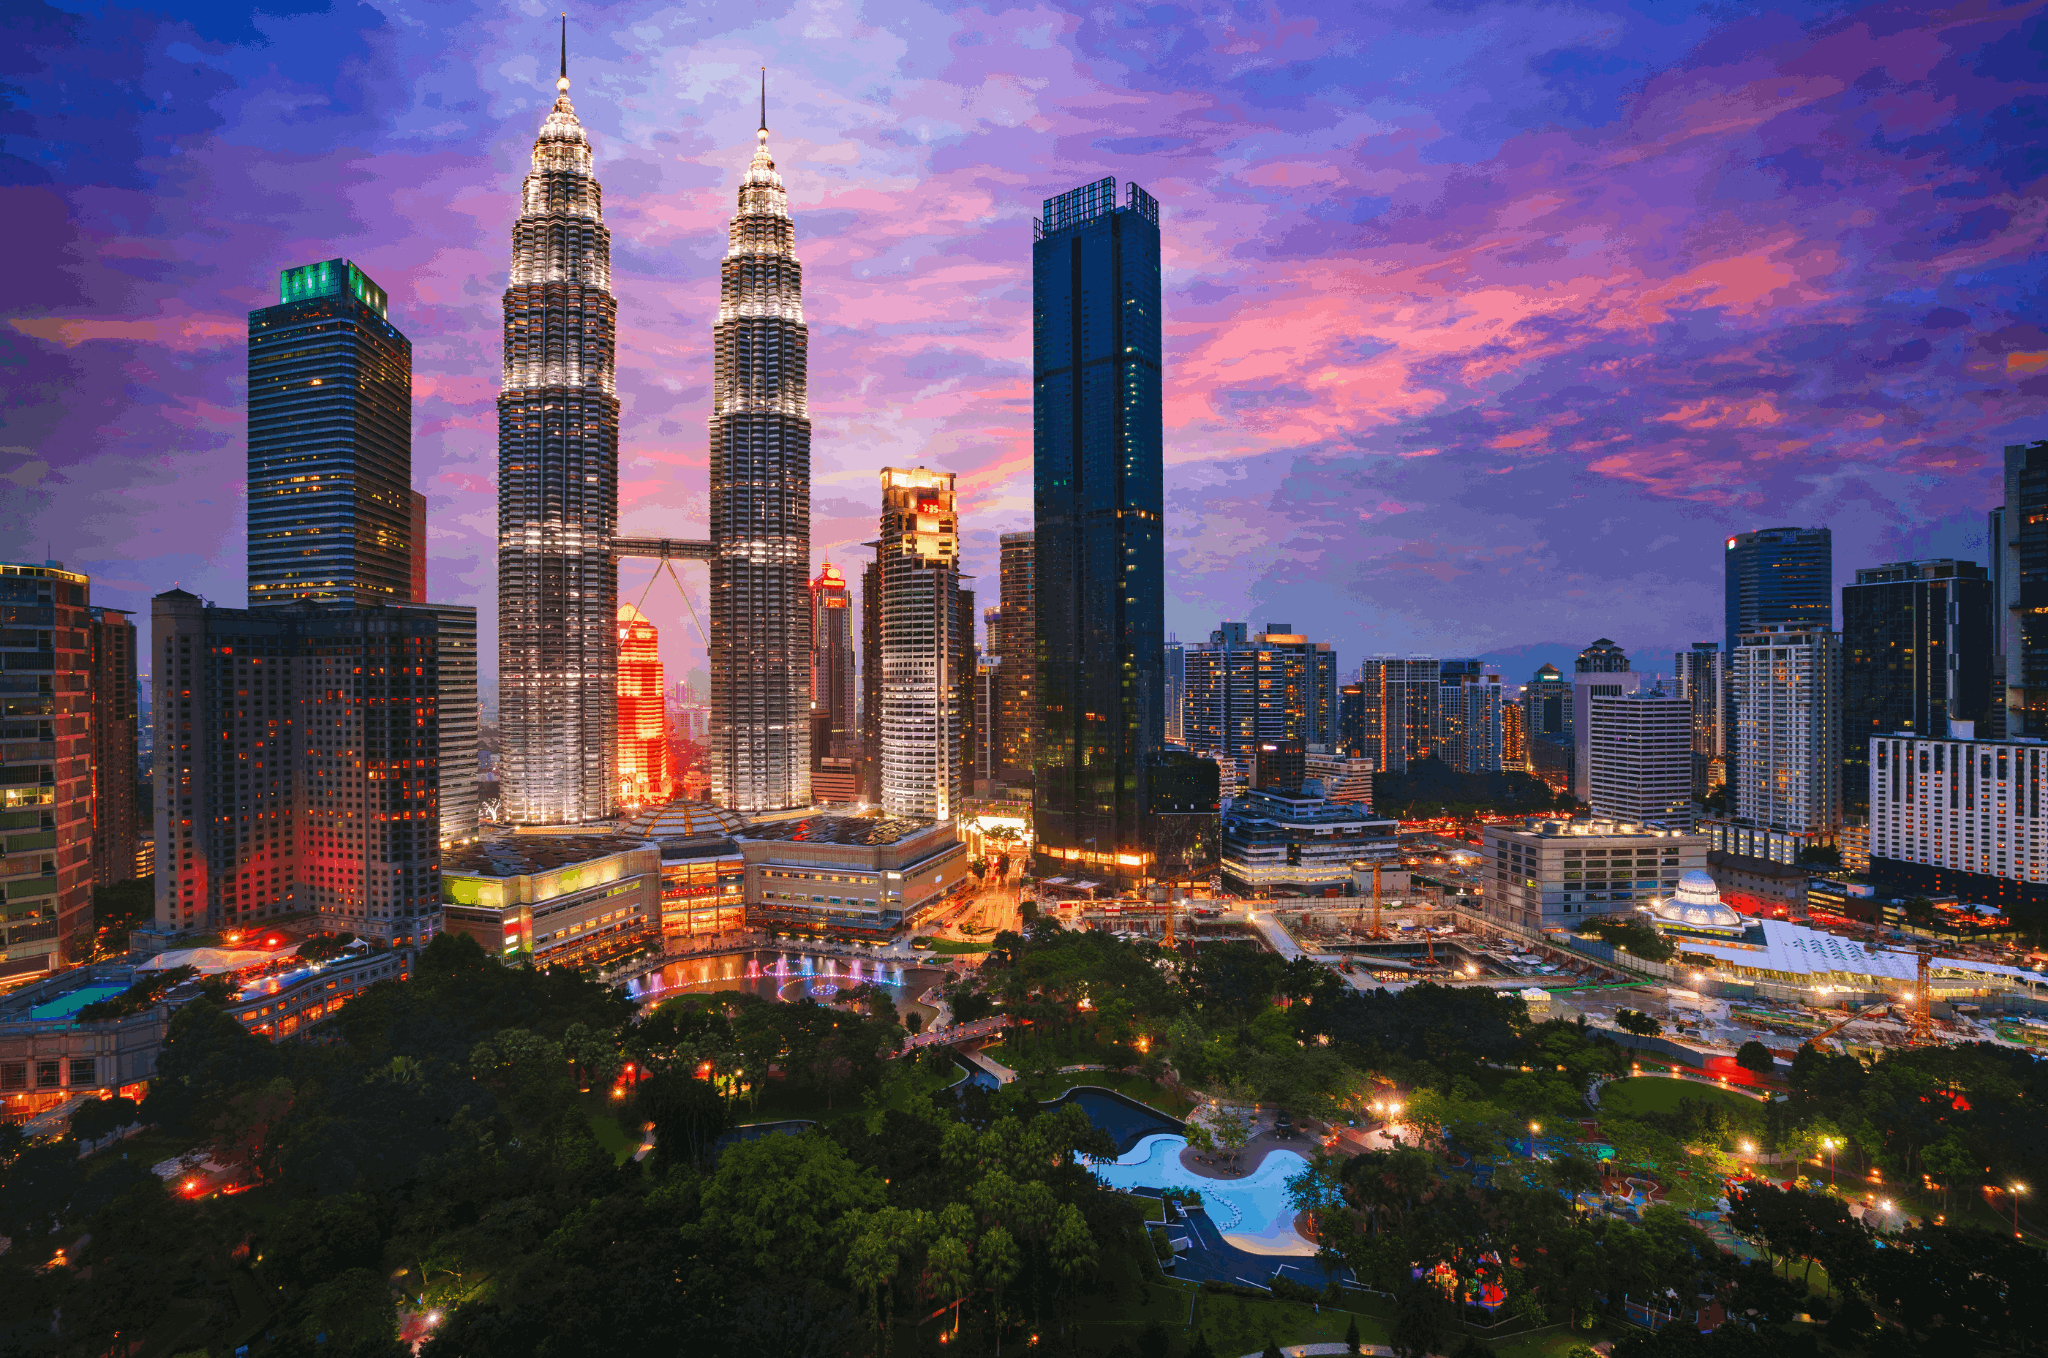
point(1654, 1095)
point(947, 945)
point(609, 1133)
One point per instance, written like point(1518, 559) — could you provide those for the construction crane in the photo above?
point(1376, 933)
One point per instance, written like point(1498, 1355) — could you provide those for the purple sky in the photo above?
point(1486, 322)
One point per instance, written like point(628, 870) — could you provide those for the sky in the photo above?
point(1486, 323)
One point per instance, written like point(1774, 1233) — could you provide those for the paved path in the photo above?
point(1309, 1350)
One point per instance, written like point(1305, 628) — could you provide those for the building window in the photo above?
point(46, 1075)
point(14, 1075)
point(82, 1073)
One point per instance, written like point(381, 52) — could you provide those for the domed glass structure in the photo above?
point(683, 819)
point(1697, 906)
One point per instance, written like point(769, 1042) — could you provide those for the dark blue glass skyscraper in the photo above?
point(1098, 496)
point(1779, 577)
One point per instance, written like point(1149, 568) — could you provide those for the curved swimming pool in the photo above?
point(1251, 1213)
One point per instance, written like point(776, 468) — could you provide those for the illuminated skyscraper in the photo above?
point(558, 490)
point(760, 507)
point(46, 768)
point(832, 662)
point(1098, 481)
point(1015, 703)
point(646, 773)
point(115, 825)
point(927, 662)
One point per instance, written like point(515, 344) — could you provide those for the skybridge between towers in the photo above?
point(665, 549)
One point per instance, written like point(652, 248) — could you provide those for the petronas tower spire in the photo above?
point(558, 487)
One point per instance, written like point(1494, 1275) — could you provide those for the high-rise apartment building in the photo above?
point(1099, 501)
point(2023, 597)
point(1351, 719)
point(46, 768)
point(1702, 680)
point(1398, 709)
point(457, 713)
point(761, 506)
point(330, 443)
point(1602, 671)
point(833, 667)
point(927, 692)
point(1778, 577)
point(110, 644)
point(1786, 683)
point(1469, 722)
point(1016, 695)
point(416, 520)
point(1514, 734)
point(1917, 640)
point(1638, 756)
point(1240, 688)
point(295, 770)
point(1952, 813)
point(558, 490)
point(646, 771)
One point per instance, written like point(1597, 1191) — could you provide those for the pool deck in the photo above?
point(1210, 1256)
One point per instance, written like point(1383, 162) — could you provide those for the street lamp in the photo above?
point(1828, 1144)
point(2018, 1191)
point(1535, 1130)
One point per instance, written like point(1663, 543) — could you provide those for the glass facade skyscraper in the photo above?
point(761, 507)
point(330, 443)
point(1916, 654)
point(558, 491)
point(1098, 501)
point(1778, 577)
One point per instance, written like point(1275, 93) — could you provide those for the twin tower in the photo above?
point(558, 498)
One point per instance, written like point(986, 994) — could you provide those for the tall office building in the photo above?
point(1514, 734)
point(1098, 480)
point(1787, 783)
point(456, 717)
point(416, 540)
point(1702, 675)
point(1778, 577)
point(927, 693)
point(646, 771)
point(833, 665)
point(330, 443)
point(1547, 702)
point(2023, 568)
point(46, 768)
point(870, 766)
point(1351, 719)
point(295, 767)
point(1016, 697)
point(1241, 688)
point(1993, 725)
point(1398, 705)
point(761, 506)
point(558, 490)
point(1174, 684)
point(1638, 756)
point(1916, 655)
point(110, 644)
point(1602, 672)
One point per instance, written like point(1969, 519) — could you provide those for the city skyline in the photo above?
point(139, 490)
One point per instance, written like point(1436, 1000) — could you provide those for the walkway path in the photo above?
point(1310, 1350)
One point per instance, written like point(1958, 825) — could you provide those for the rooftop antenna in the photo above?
point(764, 98)
point(562, 83)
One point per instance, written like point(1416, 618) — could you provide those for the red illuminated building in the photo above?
point(646, 772)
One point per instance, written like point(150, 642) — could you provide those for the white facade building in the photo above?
point(1639, 757)
point(1787, 687)
point(1943, 812)
point(1343, 778)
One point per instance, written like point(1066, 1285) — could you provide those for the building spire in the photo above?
point(764, 98)
point(562, 83)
